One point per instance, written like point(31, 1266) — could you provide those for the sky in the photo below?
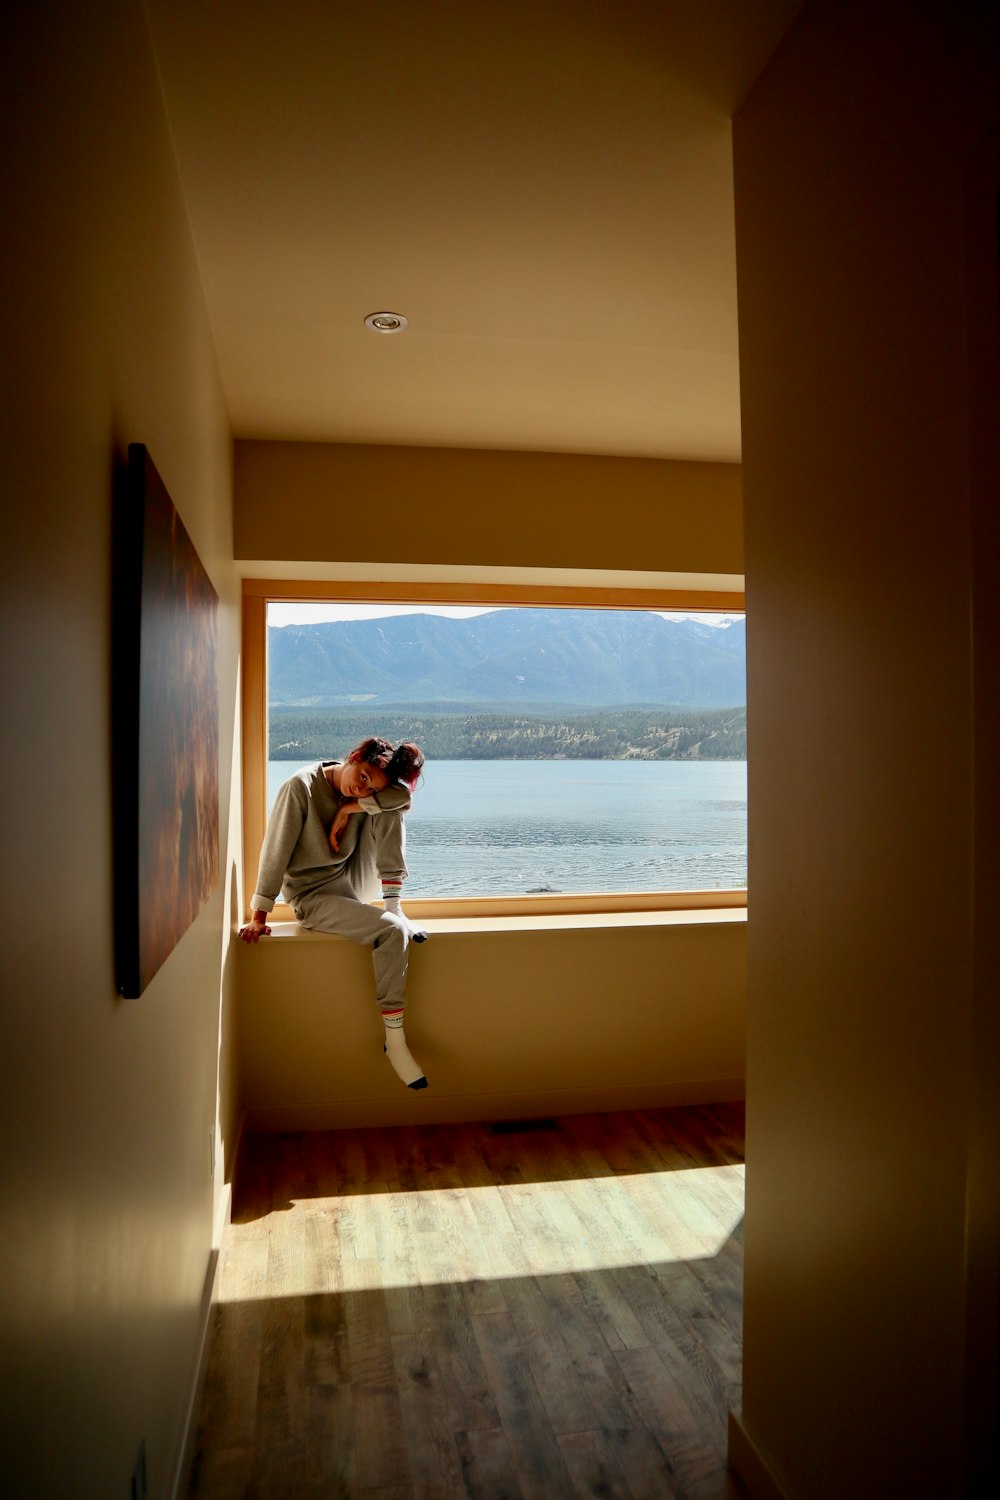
point(314, 614)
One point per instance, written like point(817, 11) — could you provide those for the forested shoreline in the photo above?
point(598, 734)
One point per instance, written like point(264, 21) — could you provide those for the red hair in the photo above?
point(400, 763)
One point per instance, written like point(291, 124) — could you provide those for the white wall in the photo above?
point(107, 1105)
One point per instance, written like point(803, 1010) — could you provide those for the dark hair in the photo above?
point(403, 763)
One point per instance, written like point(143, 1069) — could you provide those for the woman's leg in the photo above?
point(339, 911)
point(345, 915)
point(389, 854)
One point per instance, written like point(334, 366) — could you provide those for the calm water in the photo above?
point(503, 827)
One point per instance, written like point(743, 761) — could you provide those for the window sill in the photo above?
point(551, 904)
point(540, 922)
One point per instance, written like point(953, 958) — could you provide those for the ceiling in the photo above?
point(543, 188)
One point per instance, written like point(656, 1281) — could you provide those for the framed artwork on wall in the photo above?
point(165, 727)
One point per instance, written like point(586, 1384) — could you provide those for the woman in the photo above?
point(336, 830)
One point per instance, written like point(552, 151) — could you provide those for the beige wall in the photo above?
point(850, 156)
point(507, 1024)
point(107, 1105)
point(519, 1021)
point(323, 501)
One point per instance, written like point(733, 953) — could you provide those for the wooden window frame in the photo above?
point(259, 592)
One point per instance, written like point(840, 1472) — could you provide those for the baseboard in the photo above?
point(210, 1295)
point(185, 1448)
point(425, 1107)
point(750, 1466)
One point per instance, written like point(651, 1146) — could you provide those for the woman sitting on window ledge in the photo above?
point(335, 831)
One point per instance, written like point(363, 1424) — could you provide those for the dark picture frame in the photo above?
point(165, 727)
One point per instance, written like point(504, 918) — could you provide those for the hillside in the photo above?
point(631, 734)
point(581, 658)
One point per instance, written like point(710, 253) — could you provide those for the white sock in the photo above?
point(399, 1054)
point(392, 903)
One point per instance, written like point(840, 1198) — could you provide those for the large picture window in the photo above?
point(579, 756)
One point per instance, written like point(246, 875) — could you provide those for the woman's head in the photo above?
point(402, 763)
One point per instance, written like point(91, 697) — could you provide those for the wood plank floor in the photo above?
point(471, 1311)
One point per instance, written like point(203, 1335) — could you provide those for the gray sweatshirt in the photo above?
point(296, 856)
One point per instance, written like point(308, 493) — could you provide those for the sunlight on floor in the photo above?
point(361, 1242)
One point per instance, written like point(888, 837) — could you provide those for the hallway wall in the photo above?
point(107, 1106)
point(516, 1019)
point(851, 158)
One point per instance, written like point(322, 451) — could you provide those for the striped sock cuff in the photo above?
point(392, 888)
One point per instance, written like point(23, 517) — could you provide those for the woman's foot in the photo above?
point(414, 933)
point(405, 1064)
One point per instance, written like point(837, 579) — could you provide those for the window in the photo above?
point(567, 771)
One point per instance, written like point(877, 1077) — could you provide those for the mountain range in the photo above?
point(526, 657)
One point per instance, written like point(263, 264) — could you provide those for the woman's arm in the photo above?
point(256, 928)
point(343, 813)
point(390, 799)
point(284, 828)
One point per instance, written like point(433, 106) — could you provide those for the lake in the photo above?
point(504, 827)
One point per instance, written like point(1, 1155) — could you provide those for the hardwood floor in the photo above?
point(477, 1311)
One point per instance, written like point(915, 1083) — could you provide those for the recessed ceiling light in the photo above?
point(386, 322)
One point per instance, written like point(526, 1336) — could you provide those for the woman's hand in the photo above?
point(256, 928)
point(339, 823)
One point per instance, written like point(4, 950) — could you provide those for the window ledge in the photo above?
point(543, 922)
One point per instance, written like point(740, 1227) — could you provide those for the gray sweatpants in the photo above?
point(341, 906)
